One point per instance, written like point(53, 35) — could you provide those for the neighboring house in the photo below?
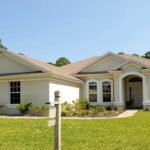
point(110, 80)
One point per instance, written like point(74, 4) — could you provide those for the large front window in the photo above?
point(106, 91)
point(93, 92)
point(15, 92)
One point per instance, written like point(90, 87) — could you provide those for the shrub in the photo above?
point(109, 108)
point(1, 106)
point(100, 109)
point(25, 107)
point(117, 109)
point(93, 111)
point(41, 110)
point(67, 106)
point(82, 113)
point(63, 113)
point(81, 104)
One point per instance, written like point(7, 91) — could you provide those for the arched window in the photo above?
point(107, 91)
point(92, 86)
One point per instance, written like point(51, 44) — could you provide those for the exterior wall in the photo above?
point(116, 89)
point(35, 91)
point(105, 65)
point(4, 93)
point(9, 66)
point(69, 92)
point(83, 91)
point(148, 86)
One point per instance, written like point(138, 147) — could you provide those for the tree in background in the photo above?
point(136, 55)
point(1, 45)
point(146, 55)
point(60, 62)
point(51, 63)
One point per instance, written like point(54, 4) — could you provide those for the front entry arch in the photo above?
point(122, 95)
point(132, 91)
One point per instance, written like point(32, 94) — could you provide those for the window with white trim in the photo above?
point(106, 91)
point(92, 91)
point(15, 92)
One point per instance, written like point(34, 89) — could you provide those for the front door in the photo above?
point(134, 92)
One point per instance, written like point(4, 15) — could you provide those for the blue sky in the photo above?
point(76, 29)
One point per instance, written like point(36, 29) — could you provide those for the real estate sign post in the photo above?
point(57, 128)
point(55, 120)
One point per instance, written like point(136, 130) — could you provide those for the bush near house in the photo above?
point(82, 108)
point(25, 107)
point(79, 108)
point(38, 111)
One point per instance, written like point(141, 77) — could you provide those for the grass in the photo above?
point(116, 134)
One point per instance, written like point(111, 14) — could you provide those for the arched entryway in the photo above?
point(132, 89)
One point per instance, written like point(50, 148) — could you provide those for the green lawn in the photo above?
point(115, 134)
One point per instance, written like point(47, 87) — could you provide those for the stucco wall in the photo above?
point(116, 88)
point(148, 87)
point(69, 92)
point(4, 93)
point(35, 91)
point(83, 91)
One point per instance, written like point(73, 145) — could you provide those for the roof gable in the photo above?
point(8, 66)
point(127, 62)
point(105, 63)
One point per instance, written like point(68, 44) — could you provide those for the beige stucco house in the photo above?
point(109, 80)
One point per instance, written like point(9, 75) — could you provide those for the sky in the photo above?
point(76, 29)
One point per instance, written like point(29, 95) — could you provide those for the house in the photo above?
point(109, 80)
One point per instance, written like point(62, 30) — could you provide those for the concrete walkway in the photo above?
point(125, 114)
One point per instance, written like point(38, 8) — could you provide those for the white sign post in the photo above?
point(55, 120)
point(57, 128)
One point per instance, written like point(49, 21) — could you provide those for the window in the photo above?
point(135, 79)
point(15, 92)
point(106, 91)
point(93, 92)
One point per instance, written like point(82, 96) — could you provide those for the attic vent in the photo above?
point(120, 53)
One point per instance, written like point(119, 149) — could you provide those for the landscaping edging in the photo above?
point(125, 114)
